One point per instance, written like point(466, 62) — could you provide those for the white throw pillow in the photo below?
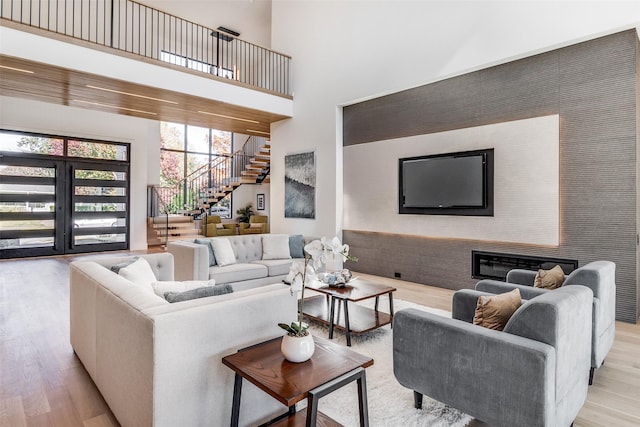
point(139, 273)
point(275, 246)
point(223, 251)
point(172, 286)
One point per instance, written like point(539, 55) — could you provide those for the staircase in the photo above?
point(162, 229)
point(172, 217)
point(250, 165)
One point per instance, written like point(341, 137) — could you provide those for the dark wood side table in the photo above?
point(355, 319)
point(331, 367)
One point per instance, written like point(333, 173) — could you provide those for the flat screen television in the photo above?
point(447, 184)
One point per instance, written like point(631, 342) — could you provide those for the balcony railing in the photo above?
point(135, 28)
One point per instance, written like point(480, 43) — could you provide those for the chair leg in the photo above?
point(417, 400)
point(591, 372)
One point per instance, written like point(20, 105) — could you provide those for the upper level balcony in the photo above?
point(125, 57)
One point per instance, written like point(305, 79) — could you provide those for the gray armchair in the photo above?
point(533, 373)
point(599, 276)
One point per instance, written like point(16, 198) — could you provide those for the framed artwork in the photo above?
point(260, 202)
point(300, 185)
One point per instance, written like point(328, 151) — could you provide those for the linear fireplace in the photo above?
point(493, 265)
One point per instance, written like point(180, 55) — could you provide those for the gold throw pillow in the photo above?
point(549, 279)
point(494, 311)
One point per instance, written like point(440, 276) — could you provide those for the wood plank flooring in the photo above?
point(42, 382)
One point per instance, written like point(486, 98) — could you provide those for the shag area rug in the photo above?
point(390, 404)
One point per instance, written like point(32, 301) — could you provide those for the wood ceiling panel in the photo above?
point(47, 83)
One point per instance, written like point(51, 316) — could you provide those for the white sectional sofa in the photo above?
point(159, 364)
point(257, 260)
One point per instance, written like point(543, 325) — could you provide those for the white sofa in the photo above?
point(250, 269)
point(159, 364)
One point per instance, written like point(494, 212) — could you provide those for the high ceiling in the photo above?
point(43, 82)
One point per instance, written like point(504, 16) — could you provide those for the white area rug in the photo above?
point(390, 404)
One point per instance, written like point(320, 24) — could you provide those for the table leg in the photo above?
point(346, 323)
point(362, 400)
point(312, 411)
point(314, 396)
point(391, 307)
point(376, 306)
point(332, 317)
point(235, 408)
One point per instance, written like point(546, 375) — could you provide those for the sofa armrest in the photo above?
point(191, 260)
point(497, 287)
point(463, 306)
point(521, 277)
point(474, 369)
point(190, 382)
point(230, 226)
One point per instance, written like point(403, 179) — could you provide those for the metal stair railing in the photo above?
point(132, 27)
point(206, 185)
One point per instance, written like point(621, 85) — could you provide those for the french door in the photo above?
point(53, 206)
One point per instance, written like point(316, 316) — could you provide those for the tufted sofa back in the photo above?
point(247, 247)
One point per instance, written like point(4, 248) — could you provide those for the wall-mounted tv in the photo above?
point(447, 184)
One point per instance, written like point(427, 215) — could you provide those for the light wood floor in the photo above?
point(42, 383)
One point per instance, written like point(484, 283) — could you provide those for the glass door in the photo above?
point(55, 207)
point(98, 203)
point(31, 209)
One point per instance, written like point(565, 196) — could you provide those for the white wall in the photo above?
point(143, 135)
point(345, 51)
point(248, 193)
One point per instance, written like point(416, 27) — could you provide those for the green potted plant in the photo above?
point(245, 213)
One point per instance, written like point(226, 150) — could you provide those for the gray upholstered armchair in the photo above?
point(533, 373)
point(599, 276)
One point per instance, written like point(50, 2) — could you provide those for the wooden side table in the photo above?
point(331, 367)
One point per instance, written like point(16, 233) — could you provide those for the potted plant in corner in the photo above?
point(298, 346)
point(245, 213)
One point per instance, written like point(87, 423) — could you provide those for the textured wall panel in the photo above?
point(593, 86)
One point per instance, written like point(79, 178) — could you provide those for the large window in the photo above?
point(187, 152)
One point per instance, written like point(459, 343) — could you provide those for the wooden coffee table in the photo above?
point(354, 319)
point(331, 367)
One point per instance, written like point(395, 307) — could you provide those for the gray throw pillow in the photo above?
point(296, 246)
point(117, 267)
point(207, 242)
point(206, 291)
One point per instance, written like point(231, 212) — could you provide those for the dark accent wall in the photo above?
point(593, 86)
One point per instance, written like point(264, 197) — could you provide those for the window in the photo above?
point(190, 154)
point(193, 64)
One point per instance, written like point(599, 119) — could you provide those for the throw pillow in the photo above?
point(296, 246)
point(223, 251)
point(494, 311)
point(212, 257)
point(220, 226)
point(207, 291)
point(139, 272)
point(116, 267)
point(255, 225)
point(549, 279)
point(275, 246)
point(161, 287)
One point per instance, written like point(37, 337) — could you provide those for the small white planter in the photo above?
point(297, 349)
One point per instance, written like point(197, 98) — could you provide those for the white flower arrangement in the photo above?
point(316, 254)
